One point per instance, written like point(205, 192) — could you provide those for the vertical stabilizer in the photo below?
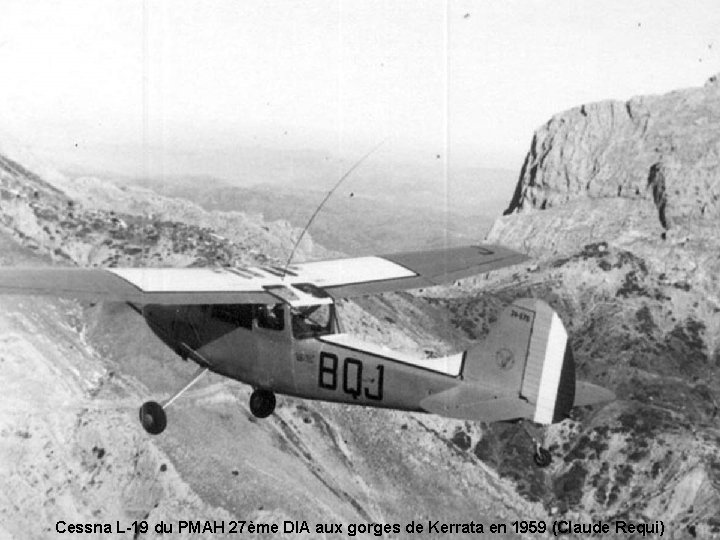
point(527, 355)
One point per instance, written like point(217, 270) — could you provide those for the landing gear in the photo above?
point(153, 417)
point(152, 414)
point(541, 455)
point(262, 403)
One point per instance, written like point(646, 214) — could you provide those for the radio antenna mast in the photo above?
point(329, 194)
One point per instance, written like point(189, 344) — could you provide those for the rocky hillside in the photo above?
point(619, 203)
point(89, 222)
point(74, 375)
point(616, 202)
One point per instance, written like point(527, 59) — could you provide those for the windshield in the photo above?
point(312, 321)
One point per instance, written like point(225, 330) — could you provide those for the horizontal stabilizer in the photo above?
point(470, 402)
point(589, 394)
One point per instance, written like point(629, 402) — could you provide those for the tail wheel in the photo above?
point(262, 403)
point(542, 457)
point(153, 417)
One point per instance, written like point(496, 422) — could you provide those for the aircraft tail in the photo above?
point(524, 369)
point(527, 354)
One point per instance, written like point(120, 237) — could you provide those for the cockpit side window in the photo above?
point(271, 317)
point(311, 321)
point(235, 314)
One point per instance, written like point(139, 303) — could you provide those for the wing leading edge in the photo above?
point(339, 278)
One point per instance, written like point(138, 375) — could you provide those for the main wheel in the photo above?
point(262, 403)
point(542, 457)
point(153, 417)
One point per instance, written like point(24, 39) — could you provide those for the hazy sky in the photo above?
point(104, 79)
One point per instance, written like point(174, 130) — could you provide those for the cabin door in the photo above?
point(274, 346)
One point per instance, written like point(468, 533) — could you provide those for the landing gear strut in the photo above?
point(541, 455)
point(262, 403)
point(152, 413)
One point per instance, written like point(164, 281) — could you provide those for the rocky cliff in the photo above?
point(619, 203)
point(661, 148)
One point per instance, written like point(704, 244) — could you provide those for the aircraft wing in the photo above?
point(306, 283)
point(136, 285)
point(468, 402)
point(409, 270)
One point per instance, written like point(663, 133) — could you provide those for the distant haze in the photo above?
point(377, 210)
point(187, 86)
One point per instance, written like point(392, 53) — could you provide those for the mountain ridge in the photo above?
point(640, 298)
point(663, 148)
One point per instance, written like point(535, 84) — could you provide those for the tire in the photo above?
point(542, 458)
point(262, 403)
point(152, 417)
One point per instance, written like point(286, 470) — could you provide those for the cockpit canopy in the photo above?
point(305, 321)
point(196, 325)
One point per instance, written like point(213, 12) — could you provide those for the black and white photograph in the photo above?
point(359, 269)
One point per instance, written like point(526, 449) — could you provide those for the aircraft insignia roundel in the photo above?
point(505, 358)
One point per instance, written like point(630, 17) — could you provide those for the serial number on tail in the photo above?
point(348, 377)
point(524, 317)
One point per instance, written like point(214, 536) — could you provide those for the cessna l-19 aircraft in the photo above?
point(278, 331)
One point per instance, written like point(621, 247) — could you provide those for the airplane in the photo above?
point(278, 330)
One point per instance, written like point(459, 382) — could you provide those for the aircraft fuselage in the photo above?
point(274, 358)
